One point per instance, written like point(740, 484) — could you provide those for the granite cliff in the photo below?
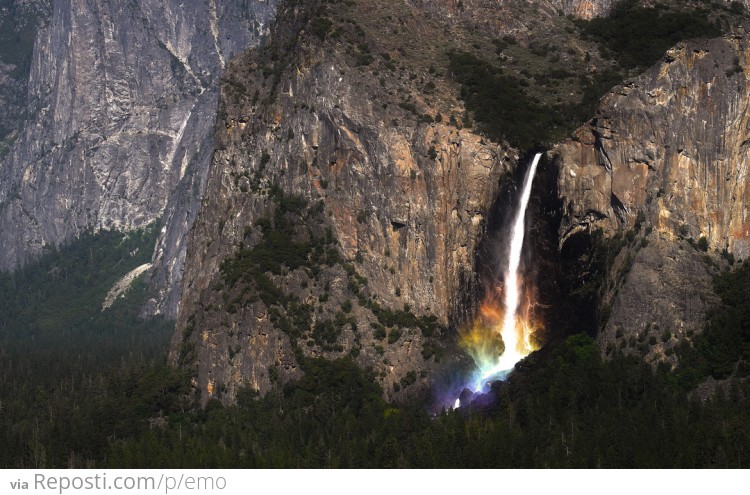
point(19, 21)
point(403, 198)
point(663, 166)
point(109, 112)
point(333, 189)
point(118, 121)
point(346, 137)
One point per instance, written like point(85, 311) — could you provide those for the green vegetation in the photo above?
point(505, 108)
point(723, 350)
point(321, 26)
point(500, 103)
point(523, 94)
point(280, 247)
point(702, 244)
point(72, 376)
point(292, 237)
point(428, 324)
point(68, 405)
point(639, 36)
point(82, 387)
point(565, 409)
point(56, 302)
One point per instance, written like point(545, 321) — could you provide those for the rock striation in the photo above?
point(405, 199)
point(341, 113)
point(669, 144)
point(112, 126)
point(121, 103)
point(666, 158)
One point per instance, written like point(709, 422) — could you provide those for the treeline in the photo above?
point(501, 106)
point(74, 377)
point(564, 407)
point(52, 309)
point(567, 408)
point(723, 349)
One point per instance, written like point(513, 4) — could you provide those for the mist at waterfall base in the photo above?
point(502, 332)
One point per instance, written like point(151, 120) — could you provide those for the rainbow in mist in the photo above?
point(501, 335)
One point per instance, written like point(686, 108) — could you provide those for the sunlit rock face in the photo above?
point(121, 102)
point(512, 17)
point(405, 199)
point(666, 156)
point(120, 110)
point(587, 9)
point(672, 145)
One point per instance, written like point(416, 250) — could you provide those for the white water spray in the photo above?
point(515, 350)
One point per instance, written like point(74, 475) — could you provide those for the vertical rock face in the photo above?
point(19, 20)
point(121, 100)
point(405, 201)
point(672, 145)
point(585, 9)
point(119, 106)
point(666, 157)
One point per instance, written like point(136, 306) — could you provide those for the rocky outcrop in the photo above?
point(501, 14)
point(665, 157)
point(405, 198)
point(657, 295)
point(518, 18)
point(123, 285)
point(121, 101)
point(670, 144)
point(584, 9)
point(120, 113)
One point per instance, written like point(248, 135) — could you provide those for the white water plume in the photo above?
point(515, 348)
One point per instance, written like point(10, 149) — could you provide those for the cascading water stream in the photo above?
point(514, 350)
point(515, 331)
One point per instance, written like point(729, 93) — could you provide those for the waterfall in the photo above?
point(515, 348)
